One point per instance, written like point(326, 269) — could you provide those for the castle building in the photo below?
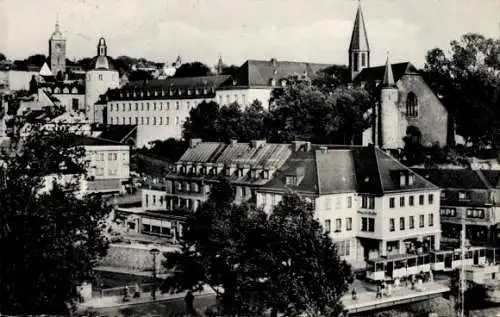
point(101, 77)
point(407, 107)
point(57, 52)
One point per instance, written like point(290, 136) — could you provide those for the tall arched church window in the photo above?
point(411, 105)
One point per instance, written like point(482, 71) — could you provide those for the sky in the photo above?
point(237, 30)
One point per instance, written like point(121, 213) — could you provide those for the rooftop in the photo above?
point(373, 74)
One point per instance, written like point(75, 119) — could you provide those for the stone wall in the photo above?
point(135, 257)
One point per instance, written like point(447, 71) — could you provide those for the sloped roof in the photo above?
point(260, 73)
point(377, 73)
point(337, 169)
point(359, 39)
point(493, 177)
point(91, 141)
point(180, 82)
point(45, 70)
point(454, 178)
point(119, 133)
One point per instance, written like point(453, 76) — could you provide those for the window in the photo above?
point(475, 213)
point(421, 200)
point(363, 60)
point(392, 225)
point(411, 201)
point(154, 106)
point(338, 203)
point(189, 105)
point(147, 106)
point(123, 106)
point(343, 247)
point(367, 224)
point(421, 221)
point(411, 224)
point(161, 120)
point(129, 106)
point(129, 120)
point(402, 201)
point(402, 179)
point(349, 202)
point(430, 198)
point(142, 120)
point(117, 107)
point(463, 196)
point(327, 225)
point(176, 120)
point(167, 120)
point(411, 105)
point(100, 76)
point(367, 202)
point(147, 120)
point(123, 120)
point(338, 225)
point(292, 180)
point(177, 105)
point(391, 202)
point(443, 195)
point(146, 200)
point(136, 120)
point(430, 220)
point(136, 106)
point(348, 224)
point(74, 104)
point(328, 202)
point(401, 223)
point(154, 200)
point(154, 120)
point(110, 120)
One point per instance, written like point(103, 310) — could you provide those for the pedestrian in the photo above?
point(379, 293)
point(126, 294)
point(137, 290)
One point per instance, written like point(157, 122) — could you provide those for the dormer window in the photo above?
point(273, 82)
point(463, 196)
point(189, 92)
point(156, 92)
point(411, 179)
point(253, 174)
point(171, 93)
point(197, 92)
point(240, 172)
point(163, 92)
point(402, 180)
point(204, 91)
point(291, 180)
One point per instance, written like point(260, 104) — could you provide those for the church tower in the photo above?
point(57, 52)
point(388, 113)
point(359, 50)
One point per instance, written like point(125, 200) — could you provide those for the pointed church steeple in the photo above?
point(359, 49)
point(388, 80)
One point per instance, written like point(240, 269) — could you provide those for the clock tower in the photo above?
point(57, 52)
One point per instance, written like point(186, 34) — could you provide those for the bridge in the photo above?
point(368, 301)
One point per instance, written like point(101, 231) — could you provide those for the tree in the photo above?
point(201, 122)
point(193, 70)
point(2, 57)
point(467, 80)
point(171, 148)
point(231, 70)
point(252, 122)
point(49, 241)
point(140, 75)
point(301, 111)
point(331, 77)
point(256, 262)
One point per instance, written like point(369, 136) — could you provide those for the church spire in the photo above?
point(359, 39)
point(388, 76)
point(359, 49)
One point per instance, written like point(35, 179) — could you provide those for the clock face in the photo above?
point(58, 47)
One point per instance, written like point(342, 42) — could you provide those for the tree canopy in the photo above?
point(193, 69)
point(466, 77)
point(2, 57)
point(255, 262)
point(49, 240)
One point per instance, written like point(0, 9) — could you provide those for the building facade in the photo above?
point(406, 108)
point(469, 197)
point(57, 52)
point(101, 77)
point(247, 166)
point(371, 205)
point(159, 107)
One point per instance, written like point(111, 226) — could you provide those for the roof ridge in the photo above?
point(375, 149)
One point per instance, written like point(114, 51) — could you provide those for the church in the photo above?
point(407, 107)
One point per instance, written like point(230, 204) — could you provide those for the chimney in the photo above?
point(323, 149)
point(234, 141)
point(257, 143)
point(194, 142)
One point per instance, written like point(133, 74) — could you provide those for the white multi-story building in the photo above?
point(369, 203)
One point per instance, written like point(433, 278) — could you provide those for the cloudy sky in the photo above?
point(298, 30)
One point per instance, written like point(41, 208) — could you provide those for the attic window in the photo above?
point(156, 92)
point(411, 180)
point(204, 91)
point(402, 180)
point(189, 92)
point(463, 196)
point(197, 92)
point(171, 92)
point(283, 83)
point(291, 180)
point(266, 174)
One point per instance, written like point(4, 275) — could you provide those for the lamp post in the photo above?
point(154, 252)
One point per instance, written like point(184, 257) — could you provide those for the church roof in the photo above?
point(377, 73)
point(359, 39)
point(260, 72)
point(388, 76)
point(102, 63)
